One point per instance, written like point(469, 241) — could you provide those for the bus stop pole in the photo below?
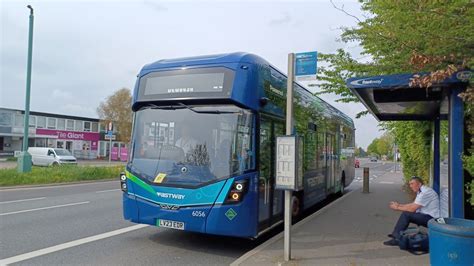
point(289, 131)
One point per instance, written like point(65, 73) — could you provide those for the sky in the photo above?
point(83, 51)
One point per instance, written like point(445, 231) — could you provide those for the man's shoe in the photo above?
point(391, 242)
point(391, 236)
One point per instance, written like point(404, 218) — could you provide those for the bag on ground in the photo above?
point(414, 242)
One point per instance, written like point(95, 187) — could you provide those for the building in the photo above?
point(82, 136)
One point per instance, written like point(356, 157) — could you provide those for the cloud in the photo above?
point(61, 95)
point(77, 64)
point(285, 19)
point(78, 110)
point(155, 6)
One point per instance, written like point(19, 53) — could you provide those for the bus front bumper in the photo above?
point(218, 218)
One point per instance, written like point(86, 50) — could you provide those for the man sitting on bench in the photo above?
point(424, 208)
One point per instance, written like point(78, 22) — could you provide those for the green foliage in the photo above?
point(359, 152)
point(60, 174)
point(402, 37)
point(372, 148)
point(468, 158)
point(414, 142)
point(397, 29)
point(469, 163)
point(470, 191)
point(469, 166)
point(443, 139)
point(382, 146)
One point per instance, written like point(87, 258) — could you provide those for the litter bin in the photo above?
point(451, 242)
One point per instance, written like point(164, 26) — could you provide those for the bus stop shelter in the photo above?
point(391, 98)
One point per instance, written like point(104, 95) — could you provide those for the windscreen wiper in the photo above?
point(163, 107)
point(209, 111)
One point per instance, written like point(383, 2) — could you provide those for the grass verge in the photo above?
point(60, 174)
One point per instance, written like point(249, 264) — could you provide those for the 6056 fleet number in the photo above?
point(198, 214)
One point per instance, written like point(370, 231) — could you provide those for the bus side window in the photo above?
point(310, 151)
point(265, 149)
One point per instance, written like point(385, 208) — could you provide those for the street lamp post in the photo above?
point(24, 162)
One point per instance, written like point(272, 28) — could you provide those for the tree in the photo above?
point(407, 36)
point(382, 146)
point(359, 152)
point(117, 108)
point(372, 148)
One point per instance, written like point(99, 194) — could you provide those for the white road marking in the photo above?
point(108, 190)
point(70, 244)
point(58, 186)
point(386, 182)
point(12, 201)
point(45, 208)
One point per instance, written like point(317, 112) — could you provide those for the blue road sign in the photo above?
point(306, 63)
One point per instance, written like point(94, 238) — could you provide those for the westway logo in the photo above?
point(170, 195)
point(360, 82)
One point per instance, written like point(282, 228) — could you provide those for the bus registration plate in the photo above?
point(171, 224)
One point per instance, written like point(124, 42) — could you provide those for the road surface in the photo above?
point(83, 224)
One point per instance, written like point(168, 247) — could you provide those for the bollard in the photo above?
point(365, 188)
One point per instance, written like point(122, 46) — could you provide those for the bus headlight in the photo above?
point(235, 196)
point(123, 182)
point(237, 192)
point(239, 187)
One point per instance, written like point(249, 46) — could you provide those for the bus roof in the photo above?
point(234, 58)
point(237, 57)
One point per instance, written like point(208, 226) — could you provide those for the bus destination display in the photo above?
point(189, 83)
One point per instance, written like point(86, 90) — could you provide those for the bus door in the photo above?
point(330, 161)
point(270, 202)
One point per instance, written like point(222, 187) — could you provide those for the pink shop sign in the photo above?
point(69, 135)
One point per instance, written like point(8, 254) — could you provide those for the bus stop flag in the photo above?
point(306, 66)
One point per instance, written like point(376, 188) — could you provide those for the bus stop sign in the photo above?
point(306, 66)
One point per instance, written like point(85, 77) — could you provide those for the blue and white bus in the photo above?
point(203, 146)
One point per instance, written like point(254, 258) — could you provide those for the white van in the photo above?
point(51, 156)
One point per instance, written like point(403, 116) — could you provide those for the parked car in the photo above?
point(50, 156)
point(373, 159)
point(357, 163)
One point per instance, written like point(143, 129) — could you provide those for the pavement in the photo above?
point(349, 231)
